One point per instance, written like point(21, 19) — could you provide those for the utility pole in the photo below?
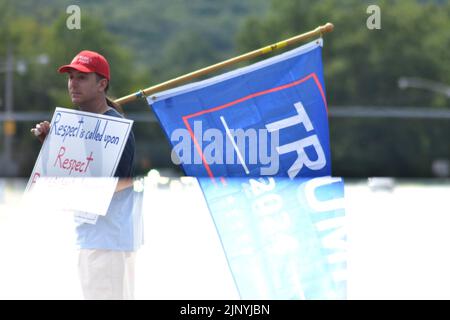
point(8, 167)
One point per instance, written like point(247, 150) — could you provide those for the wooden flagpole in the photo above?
point(184, 78)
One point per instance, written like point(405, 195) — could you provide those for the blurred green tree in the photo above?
point(39, 87)
point(362, 68)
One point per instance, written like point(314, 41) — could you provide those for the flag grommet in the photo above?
point(140, 94)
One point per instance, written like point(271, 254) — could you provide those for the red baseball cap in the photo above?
point(88, 61)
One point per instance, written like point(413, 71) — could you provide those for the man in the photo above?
point(107, 248)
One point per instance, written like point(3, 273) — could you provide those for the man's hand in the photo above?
point(41, 130)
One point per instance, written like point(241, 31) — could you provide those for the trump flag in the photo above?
point(256, 138)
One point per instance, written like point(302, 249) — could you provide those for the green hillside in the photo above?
point(163, 35)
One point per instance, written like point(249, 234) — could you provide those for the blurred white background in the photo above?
point(397, 231)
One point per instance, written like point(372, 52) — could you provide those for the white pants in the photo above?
point(107, 274)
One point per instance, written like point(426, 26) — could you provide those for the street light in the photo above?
point(419, 83)
point(439, 167)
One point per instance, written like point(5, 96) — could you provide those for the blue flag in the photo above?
point(275, 111)
point(256, 137)
point(283, 238)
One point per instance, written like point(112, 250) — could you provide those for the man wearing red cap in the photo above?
point(107, 248)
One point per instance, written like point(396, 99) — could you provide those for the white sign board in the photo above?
point(81, 145)
point(80, 195)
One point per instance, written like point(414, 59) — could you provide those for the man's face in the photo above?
point(84, 88)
